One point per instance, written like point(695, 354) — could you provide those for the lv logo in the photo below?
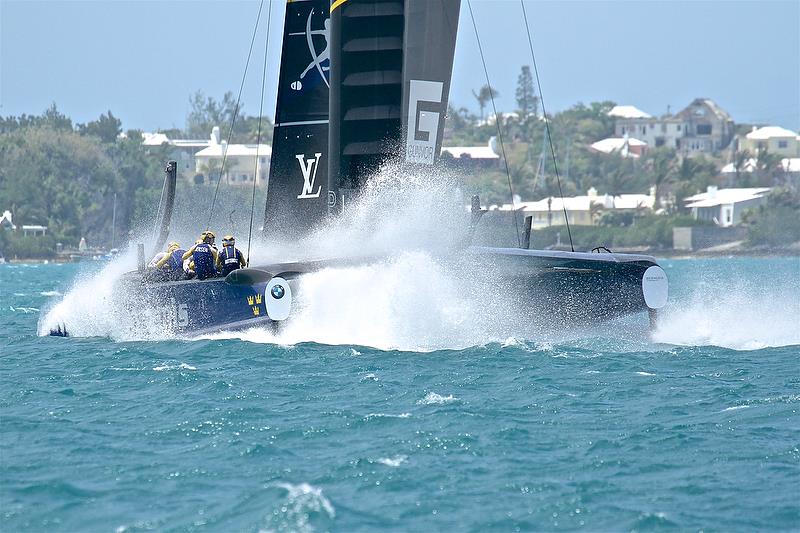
point(309, 169)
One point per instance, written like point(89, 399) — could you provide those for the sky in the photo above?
point(144, 59)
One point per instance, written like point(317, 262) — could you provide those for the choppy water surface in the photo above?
point(597, 430)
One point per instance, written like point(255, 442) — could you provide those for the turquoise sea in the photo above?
point(407, 417)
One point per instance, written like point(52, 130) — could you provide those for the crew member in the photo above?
point(204, 256)
point(188, 264)
point(230, 258)
point(209, 234)
point(156, 258)
point(172, 262)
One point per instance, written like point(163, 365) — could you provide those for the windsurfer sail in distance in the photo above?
point(316, 59)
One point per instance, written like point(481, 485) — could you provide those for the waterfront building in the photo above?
point(200, 161)
point(584, 210)
point(724, 207)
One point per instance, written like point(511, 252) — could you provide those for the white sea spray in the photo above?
point(394, 462)
point(300, 504)
point(732, 310)
point(437, 399)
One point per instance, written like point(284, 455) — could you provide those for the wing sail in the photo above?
point(298, 183)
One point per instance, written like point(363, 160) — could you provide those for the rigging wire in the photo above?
point(235, 114)
point(258, 137)
point(161, 207)
point(546, 123)
point(497, 122)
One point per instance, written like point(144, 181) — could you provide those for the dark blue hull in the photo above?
point(557, 287)
point(571, 287)
point(194, 307)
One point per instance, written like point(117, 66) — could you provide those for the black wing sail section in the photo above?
point(298, 183)
point(430, 36)
point(391, 64)
point(366, 90)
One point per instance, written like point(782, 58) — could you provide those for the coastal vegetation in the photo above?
point(66, 176)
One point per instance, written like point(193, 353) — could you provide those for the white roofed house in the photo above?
point(472, 156)
point(707, 127)
point(702, 127)
point(243, 163)
point(653, 131)
point(773, 139)
point(625, 146)
point(628, 111)
point(181, 150)
point(581, 210)
point(725, 207)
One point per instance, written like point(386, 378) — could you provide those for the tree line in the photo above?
point(535, 166)
point(65, 175)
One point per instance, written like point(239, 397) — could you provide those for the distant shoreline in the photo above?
point(663, 254)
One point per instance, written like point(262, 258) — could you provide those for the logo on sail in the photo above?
point(309, 169)
point(316, 58)
point(423, 122)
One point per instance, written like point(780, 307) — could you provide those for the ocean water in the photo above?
point(404, 415)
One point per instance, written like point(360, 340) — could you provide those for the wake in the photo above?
point(737, 313)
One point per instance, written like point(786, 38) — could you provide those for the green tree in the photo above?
point(54, 176)
point(485, 95)
point(206, 113)
point(660, 163)
point(527, 101)
point(767, 167)
point(740, 159)
point(107, 128)
point(58, 179)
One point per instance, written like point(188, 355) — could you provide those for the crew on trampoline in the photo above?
point(171, 263)
point(204, 256)
point(229, 258)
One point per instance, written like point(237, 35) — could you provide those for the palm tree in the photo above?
point(596, 212)
point(618, 180)
point(686, 169)
point(766, 164)
point(662, 168)
point(484, 95)
point(740, 159)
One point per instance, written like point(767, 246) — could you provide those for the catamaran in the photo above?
point(363, 82)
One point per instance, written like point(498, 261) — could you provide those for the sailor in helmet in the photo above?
point(230, 258)
point(204, 256)
point(171, 264)
point(211, 235)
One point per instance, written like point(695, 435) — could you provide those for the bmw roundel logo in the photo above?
point(277, 292)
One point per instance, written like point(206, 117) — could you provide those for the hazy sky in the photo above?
point(143, 59)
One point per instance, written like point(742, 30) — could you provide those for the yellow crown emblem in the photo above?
point(256, 310)
point(258, 298)
point(249, 300)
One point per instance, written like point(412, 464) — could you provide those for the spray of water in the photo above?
point(410, 293)
point(742, 313)
point(86, 307)
point(415, 292)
